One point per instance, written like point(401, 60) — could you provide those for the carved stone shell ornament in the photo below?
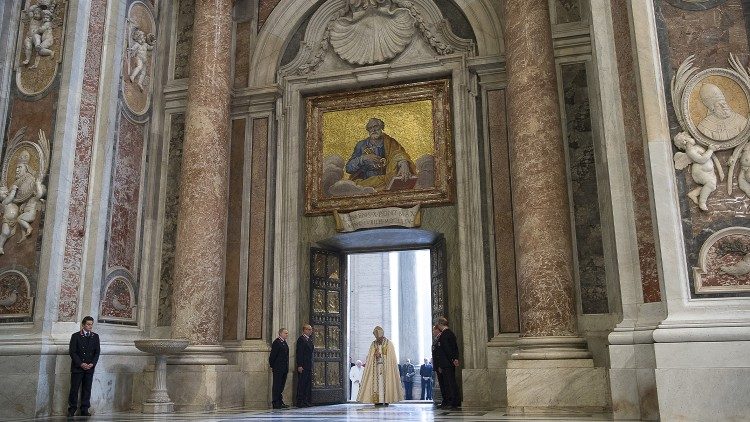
point(375, 32)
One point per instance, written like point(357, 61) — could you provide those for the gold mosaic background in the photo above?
point(409, 123)
point(732, 92)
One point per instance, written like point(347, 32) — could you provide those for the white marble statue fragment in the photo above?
point(701, 161)
point(139, 45)
point(741, 154)
point(739, 269)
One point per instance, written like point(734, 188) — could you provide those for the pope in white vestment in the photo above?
point(355, 376)
point(381, 383)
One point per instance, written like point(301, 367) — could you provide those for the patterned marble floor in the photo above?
point(347, 412)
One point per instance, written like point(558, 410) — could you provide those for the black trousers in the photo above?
point(279, 380)
point(83, 381)
point(449, 386)
point(304, 387)
point(408, 390)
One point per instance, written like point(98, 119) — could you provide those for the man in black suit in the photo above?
point(425, 371)
point(304, 358)
point(84, 353)
point(445, 356)
point(408, 375)
point(278, 360)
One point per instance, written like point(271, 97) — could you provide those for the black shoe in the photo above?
point(71, 413)
point(284, 406)
point(85, 413)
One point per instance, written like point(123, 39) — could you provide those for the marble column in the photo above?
point(202, 217)
point(540, 192)
point(552, 358)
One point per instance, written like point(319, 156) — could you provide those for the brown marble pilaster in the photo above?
point(540, 192)
point(202, 216)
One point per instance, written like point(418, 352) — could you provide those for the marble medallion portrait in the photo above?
point(379, 147)
point(713, 108)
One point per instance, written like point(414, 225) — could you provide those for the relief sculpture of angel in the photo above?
point(703, 167)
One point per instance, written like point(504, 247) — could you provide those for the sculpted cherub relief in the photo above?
point(139, 45)
point(712, 107)
point(21, 198)
point(39, 39)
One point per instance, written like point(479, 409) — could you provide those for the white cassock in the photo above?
point(355, 375)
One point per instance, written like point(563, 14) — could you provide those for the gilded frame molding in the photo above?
point(441, 193)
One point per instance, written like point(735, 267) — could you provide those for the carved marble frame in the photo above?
point(699, 271)
point(694, 83)
point(438, 91)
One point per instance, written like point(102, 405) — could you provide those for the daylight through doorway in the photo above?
point(392, 290)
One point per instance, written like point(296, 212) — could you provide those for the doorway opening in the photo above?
point(392, 290)
point(396, 297)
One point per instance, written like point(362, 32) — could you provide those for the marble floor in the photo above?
point(348, 412)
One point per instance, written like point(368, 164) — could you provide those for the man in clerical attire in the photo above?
point(378, 158)
point(355, 376)
point(381, 383)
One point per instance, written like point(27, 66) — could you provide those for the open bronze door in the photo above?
point(328, 318)
point(439, 294)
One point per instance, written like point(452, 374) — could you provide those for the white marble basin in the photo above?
point(161, 346)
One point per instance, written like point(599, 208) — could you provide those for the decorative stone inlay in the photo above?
point(724, 261)
point(184, 34)
point(76, 232)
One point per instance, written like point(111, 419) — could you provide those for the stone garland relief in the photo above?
point(40, 40)
point(712, 107)
point(138, 60)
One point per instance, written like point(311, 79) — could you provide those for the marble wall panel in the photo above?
point(243, 38)
point(505, 257)
point(582, 172)
point(711, 35)
point(265, 7)
point(636, 154)
point(256, 255)
point(234, 238)
point(171, 202)
point(183, 38)
point(123, 234)
point(73, 255)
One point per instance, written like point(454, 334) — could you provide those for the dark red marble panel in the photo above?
point(505, 256)
point(265, 7)
point(242, 54)
point(256, 256)
point(234, 238)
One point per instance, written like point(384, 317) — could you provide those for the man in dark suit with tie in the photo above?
point(304, 358)
point(425, 371)
point(84, 353)
point(408, 374)
point(445, 356)
point(278, 360)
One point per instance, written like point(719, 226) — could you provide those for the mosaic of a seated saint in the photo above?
point(721, 123)
point(379, 158)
